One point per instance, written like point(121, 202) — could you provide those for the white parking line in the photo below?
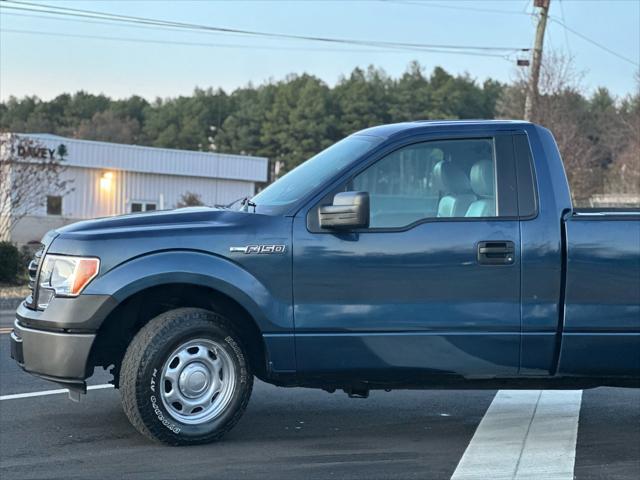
point(525, 434)
point(42, 393)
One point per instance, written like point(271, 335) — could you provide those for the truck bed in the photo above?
point(601, 322)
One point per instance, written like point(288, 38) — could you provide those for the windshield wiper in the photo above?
point(246, 202)
point(243, 201)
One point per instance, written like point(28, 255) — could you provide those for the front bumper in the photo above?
point(81, 314)
point(59, 357)
point(56, 343)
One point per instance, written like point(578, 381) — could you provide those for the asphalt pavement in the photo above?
point(304, 433)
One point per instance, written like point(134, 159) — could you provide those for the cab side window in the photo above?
point(440, 179)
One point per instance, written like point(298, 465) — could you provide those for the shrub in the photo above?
point(189, 199)
point(11, 266)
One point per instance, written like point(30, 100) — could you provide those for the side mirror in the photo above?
point(349, 210)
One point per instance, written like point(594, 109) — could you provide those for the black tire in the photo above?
point(143, 363)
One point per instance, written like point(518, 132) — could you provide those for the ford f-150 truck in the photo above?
point(414, 255)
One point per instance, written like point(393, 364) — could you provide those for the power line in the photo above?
point(140, 40)
point(566, 35)
point(455, 7)
point(230, 45)
point(190, 26)
point(97, 22)
point(593, 42)
point(113, 17)
point(172, 42)
point(490, 10)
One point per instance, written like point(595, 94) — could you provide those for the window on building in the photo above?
point(54, 205)
point(139, 206)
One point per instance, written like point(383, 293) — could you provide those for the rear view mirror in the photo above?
point(350, 210)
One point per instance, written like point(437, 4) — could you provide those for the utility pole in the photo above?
point(532, 92)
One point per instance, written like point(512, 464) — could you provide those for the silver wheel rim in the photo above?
point(197, 382)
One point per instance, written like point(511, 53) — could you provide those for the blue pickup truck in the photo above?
point(414, 255)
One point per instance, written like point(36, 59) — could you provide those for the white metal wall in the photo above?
point(89, 199)
point(91, 154)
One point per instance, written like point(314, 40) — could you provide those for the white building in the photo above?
point(112, 179)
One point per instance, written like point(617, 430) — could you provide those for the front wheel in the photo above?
point(185, 378)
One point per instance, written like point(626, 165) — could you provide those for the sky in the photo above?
point(46, 55)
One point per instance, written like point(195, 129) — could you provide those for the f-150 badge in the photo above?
point(260, 249)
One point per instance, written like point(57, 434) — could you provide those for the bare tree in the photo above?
point(562, 109)
point(624, 171)
point(189, 199)
point(28, 172)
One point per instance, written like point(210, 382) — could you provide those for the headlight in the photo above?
point(65, 276)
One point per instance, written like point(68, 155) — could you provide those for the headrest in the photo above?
point(482, 178)
point(450, 179)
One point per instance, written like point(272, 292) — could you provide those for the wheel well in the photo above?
point(124, 322)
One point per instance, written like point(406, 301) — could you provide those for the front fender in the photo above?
point(272, 314)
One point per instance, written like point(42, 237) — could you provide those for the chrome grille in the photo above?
point(33, 277)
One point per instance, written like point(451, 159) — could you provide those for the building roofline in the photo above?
point(51, 136)
point(165, 161)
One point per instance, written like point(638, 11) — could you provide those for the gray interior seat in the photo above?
point(452, 181)
point(482, 184)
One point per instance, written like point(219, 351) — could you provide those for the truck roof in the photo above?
point(431, 125)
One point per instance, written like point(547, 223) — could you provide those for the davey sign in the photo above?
point(41, 152)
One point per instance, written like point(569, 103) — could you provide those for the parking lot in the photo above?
point(301, 433)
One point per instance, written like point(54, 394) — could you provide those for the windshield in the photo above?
point(315, 171)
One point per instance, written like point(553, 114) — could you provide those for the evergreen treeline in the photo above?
point(292, 119)
point(288, 120)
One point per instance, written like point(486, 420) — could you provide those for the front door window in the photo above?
point(441, 179)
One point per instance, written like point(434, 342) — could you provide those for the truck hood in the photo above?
point(208, 230)
point(159, 220)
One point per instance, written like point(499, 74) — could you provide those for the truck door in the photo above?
point(433, 285)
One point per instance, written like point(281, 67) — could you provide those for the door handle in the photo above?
point(496, 252)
